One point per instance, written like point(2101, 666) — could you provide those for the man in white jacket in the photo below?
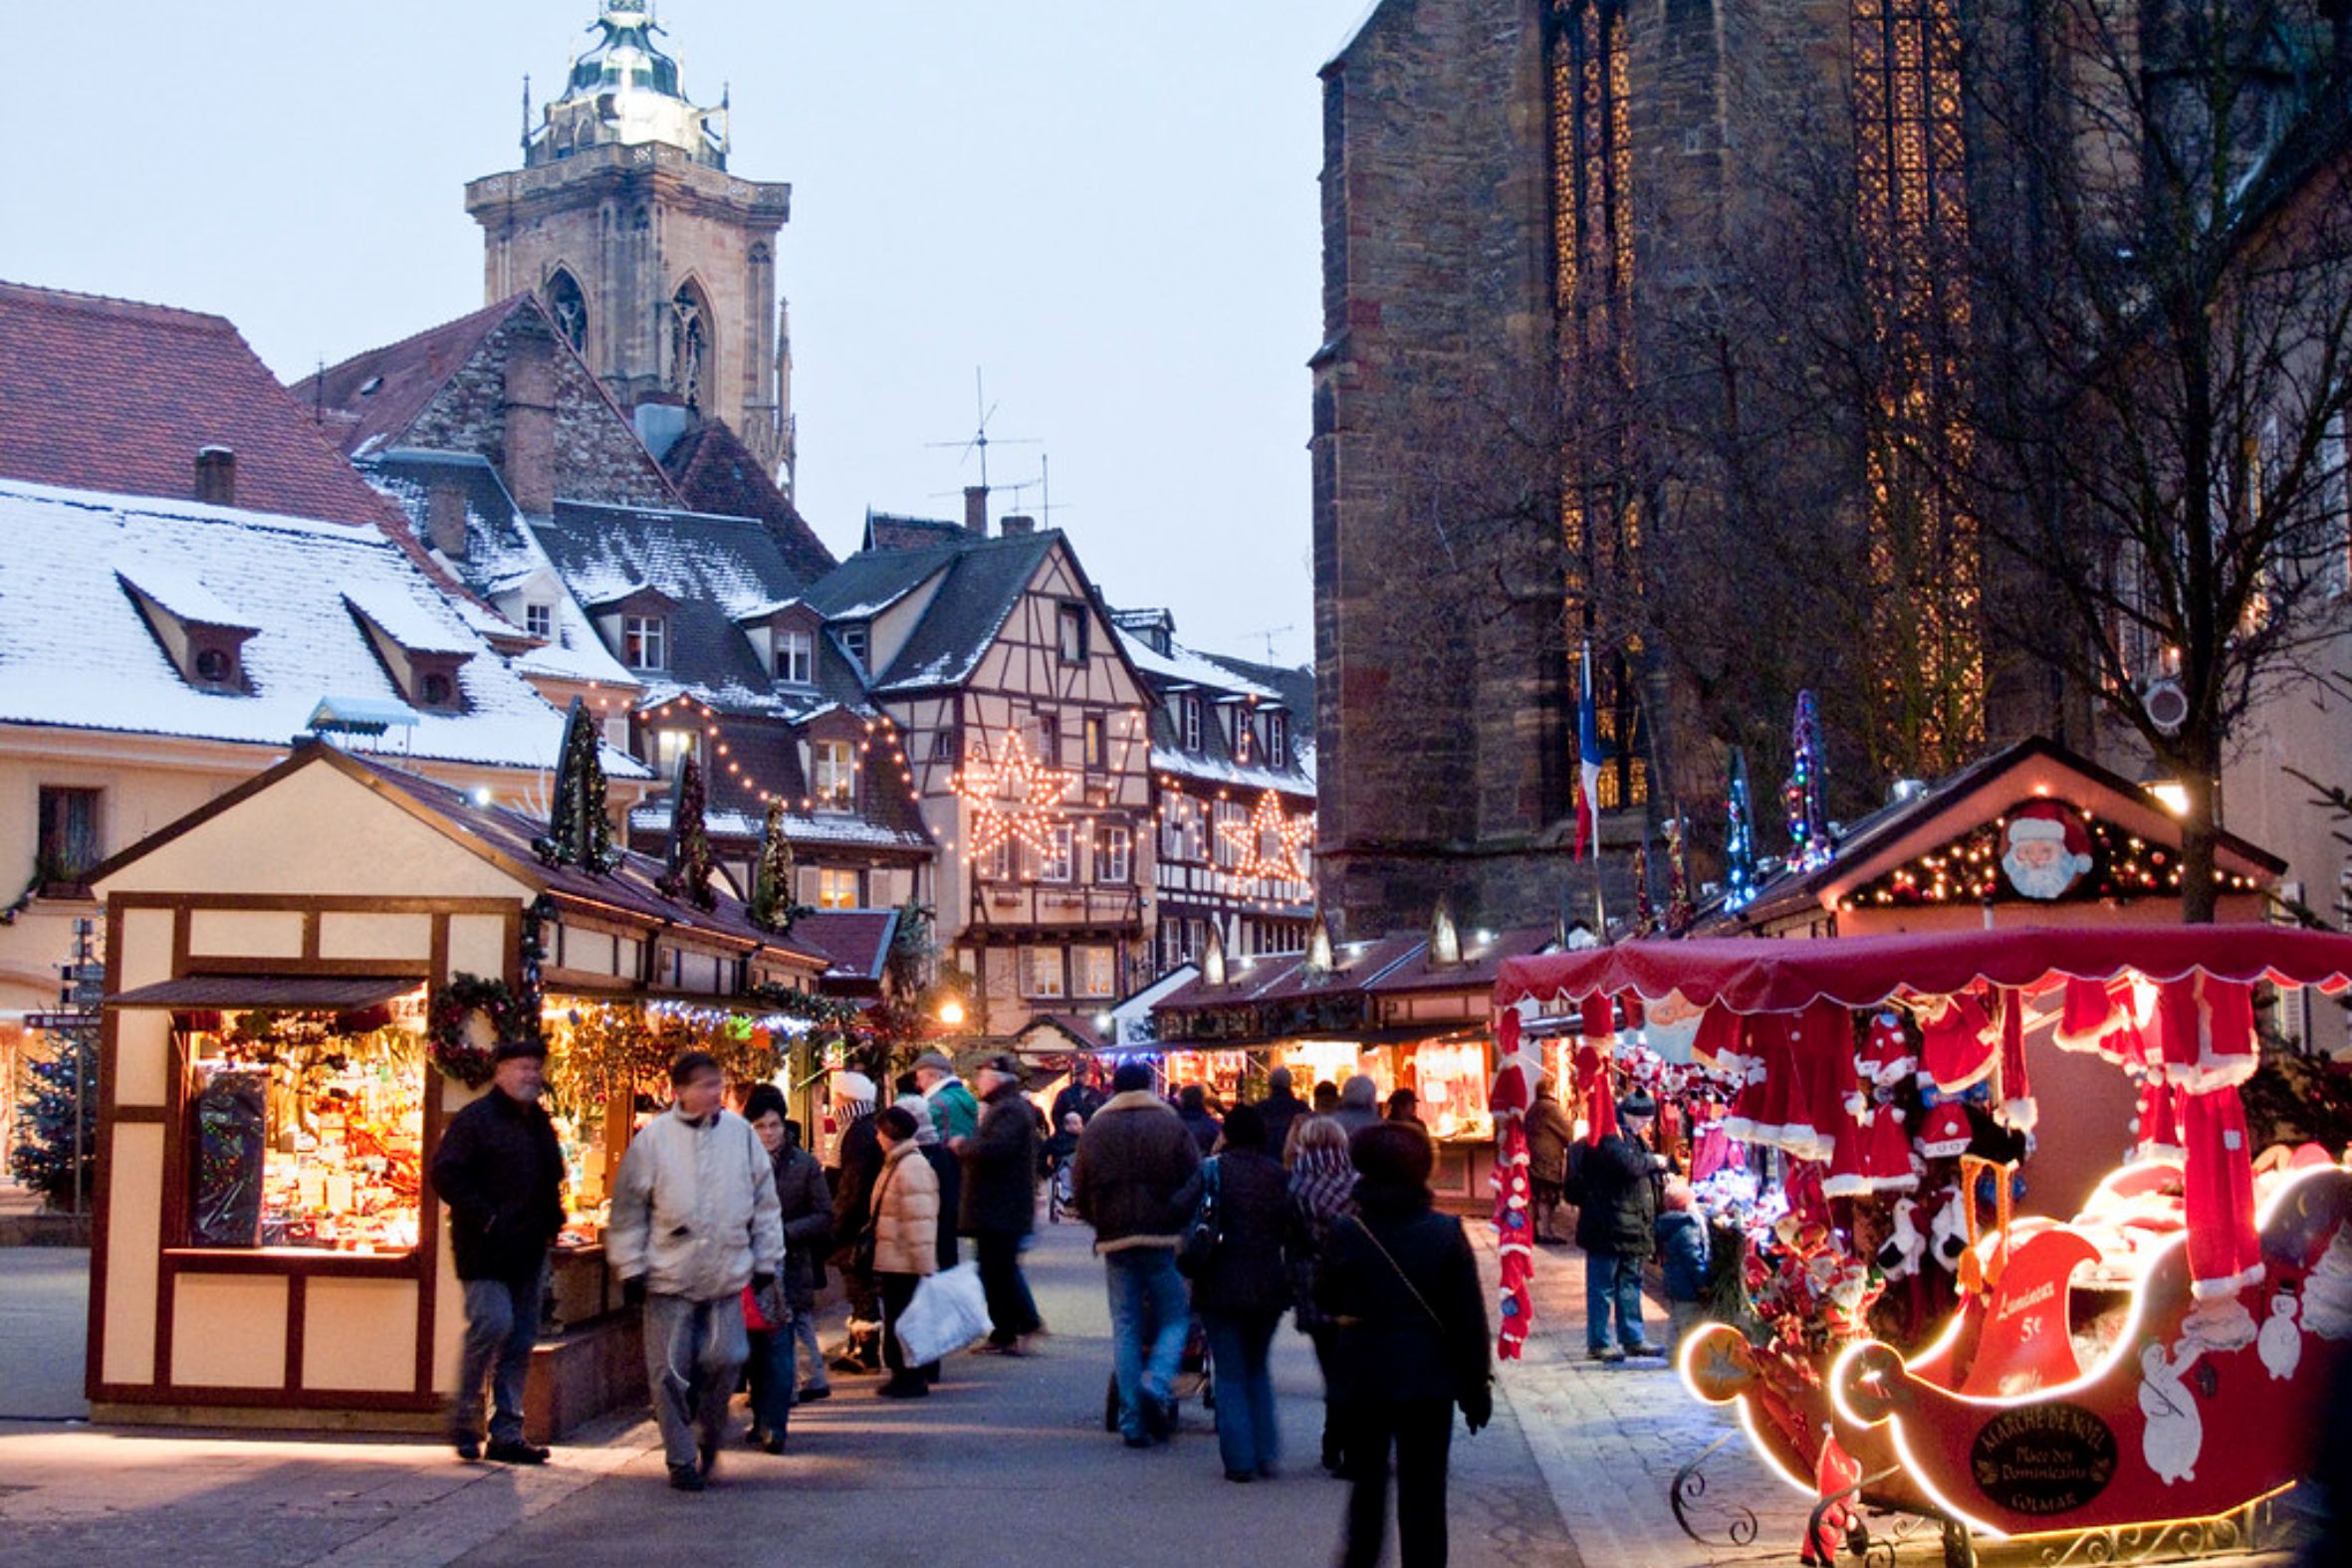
point(694, 1221)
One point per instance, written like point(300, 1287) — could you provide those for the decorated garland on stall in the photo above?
point(512, 1015)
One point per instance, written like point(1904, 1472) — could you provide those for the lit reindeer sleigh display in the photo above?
point(2144, 1374)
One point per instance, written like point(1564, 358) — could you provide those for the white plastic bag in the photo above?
point(949, 1311)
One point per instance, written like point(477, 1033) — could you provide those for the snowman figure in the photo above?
point(2280, 1344)
point(2174, 1431)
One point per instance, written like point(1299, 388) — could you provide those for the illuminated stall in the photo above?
point(2137, 1370)
point(1406, 1011)
point(303, 982)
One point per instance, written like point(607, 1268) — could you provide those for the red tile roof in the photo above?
point(405, 375)
point(716, 471)
point(114, 395)
point(856, 939)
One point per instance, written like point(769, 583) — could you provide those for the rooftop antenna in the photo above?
point(318, 394)
point(1267, 634)
point(979, 440)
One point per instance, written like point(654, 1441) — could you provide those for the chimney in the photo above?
point(1017, 523)
point(976, 510)
point(216, 476)
point(529, 458)
point(444, 515)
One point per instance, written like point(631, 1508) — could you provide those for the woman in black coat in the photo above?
point(1242, 1293)
point(1402, 1287)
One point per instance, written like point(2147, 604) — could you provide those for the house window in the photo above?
point(1094, 734)
point(1049, 740)
point(837, 889)
point(540, 620)
point(943, 744)
point(1278, 740)
point(1188, 722)
point(69, 844)
point(792, 657)
point(644, 642)
point(854, 644)
point(1179, 829)
point(1114, 850)
point(1094, 972)
point(1041, 972)
point(215, 667)
point(1055, 865)
point(1238, 734)
point(671, 748)
point(999, 861)
point(1231, 825)
point(1070, 633)
point(436, 689)
point(833, 776)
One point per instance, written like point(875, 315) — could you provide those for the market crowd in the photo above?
point(1210, 1228)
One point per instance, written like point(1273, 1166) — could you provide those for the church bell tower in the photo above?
point(655, 261)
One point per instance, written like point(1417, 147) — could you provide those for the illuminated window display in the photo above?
point(306, 1130)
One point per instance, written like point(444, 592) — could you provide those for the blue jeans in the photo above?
point(772, 1369)
point(1149, 1317)
point(501, 1326)
point(1612, 1278)
point(1246, 1434)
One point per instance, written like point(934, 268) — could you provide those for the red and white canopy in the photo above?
point(1746, 975)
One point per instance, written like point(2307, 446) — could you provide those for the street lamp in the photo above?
point(951, 1012)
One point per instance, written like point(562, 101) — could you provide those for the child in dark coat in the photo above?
point(1682, 1252)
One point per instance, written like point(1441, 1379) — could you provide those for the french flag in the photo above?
point(1587, 761)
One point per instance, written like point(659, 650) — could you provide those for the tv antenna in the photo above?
point(1268, 633)
point(1043, 483)
point(979, 440)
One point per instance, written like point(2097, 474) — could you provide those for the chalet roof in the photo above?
point(112, 395)
point(717, 473)
point(1482, 957)
point(858, 940)
point(765, 754)
point(76, 651)
point(1958, 803)
point(504, 837)
point(872, 580)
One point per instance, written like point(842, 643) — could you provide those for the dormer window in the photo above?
point(832, 775)
point(793, 653)
point(540, 620)
point(1188, 722)
point(436, 689)
point(202, 636)
point(644, 641)
point(1278, 740)
point(854, 643)
point(417, 651)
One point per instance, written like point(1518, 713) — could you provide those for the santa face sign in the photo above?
point(2044, 851)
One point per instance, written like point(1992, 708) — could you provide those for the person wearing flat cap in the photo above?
point(501, 1172)
point(1617, 1229)
point(999, 1204)
point(952, 1109)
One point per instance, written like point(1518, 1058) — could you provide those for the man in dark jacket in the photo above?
point(999, 1204)
point(1242, 1289)
point(860, 1157)
point(1192, 1105)
point(1279, 1109)
point(1617, 1228)
point(1360, 1105)
point(1082, 1098)
point(1132, 1162)
point(1401, 1286)
point(501, 1172)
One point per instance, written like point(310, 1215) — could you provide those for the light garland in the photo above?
point(1018, 799)
point(1969, 870)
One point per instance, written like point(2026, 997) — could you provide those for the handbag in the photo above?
point(948, 1311)
point(766, 1311)
point(862, 1251)
point(1206, 1231)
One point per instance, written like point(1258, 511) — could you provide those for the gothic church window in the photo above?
point(568, 307)
point(690, 338)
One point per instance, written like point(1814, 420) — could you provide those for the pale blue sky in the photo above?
point(1110, 205)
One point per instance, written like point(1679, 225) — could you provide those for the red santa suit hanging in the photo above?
point(2013, 1106)
point(1958, 1041)
point(1512, 1092)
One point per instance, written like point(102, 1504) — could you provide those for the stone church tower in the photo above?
point(656, 262)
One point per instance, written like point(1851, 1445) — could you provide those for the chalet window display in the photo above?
point(1114, 850)
point(1042, 973)
point(306, 1130)
point(832, 775)
point(1070, 630)
point(793, 657)
point(1095, 972)
point(68, 843)
point(540, 620)
point(644, 642)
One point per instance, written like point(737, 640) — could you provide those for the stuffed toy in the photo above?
point(1899, 1255)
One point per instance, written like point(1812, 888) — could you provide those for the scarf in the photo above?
point(1323, 1184)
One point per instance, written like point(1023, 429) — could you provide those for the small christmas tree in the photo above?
point(579, 832)
point(59, 1113)
point(689, 872)
point(771, 905)
point(1739, 848)
point(1805, 792)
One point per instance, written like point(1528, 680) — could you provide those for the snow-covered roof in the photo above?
point(413, 615)
point(76, 650)
point(1219, 769)
point(1189, 667)
point(179, 588)
point(801, 828)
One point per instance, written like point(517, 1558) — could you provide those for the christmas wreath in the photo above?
point(452, 1041)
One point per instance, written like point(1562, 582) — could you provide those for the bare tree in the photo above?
point(2157, 362)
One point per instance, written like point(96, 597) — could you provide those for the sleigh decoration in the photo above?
point(2141, 1377)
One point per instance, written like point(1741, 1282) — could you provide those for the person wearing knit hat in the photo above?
point(1617, 1229)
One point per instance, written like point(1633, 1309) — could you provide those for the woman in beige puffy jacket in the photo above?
point(906, 1241)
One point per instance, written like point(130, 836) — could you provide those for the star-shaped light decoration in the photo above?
point(1269, 824)
point(1017, 800)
